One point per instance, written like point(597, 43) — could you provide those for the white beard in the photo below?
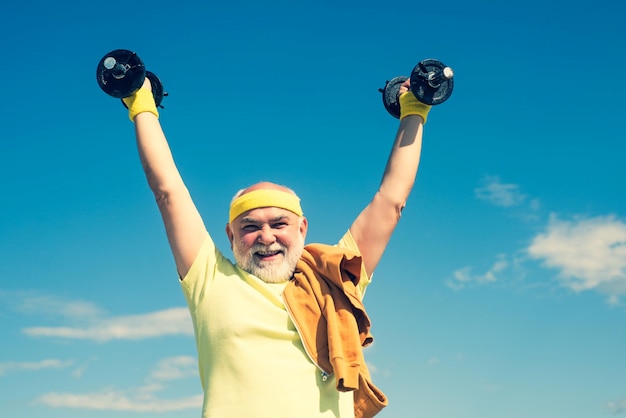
point(276, 271)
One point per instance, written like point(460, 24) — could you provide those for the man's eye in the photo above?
point(279, 225)
point(249, 228)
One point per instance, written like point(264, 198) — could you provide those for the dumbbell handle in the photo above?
point(118, 69)
point(435, 78)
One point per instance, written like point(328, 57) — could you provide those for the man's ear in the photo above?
point(304, 226)
point(229, 234)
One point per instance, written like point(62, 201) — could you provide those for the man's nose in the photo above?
point(266, 236)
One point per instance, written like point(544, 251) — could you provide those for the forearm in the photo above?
point(156, 157)
point(402, 165)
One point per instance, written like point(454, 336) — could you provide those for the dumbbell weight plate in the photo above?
point(390, 95)
point(157, 88)
point(120, 73)
point(428, 83)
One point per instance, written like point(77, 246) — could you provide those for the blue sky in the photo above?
point(503, 291)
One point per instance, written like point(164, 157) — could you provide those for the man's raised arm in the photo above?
point(183, 224)
point(373, 227)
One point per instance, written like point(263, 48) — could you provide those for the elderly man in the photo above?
point(257, 321)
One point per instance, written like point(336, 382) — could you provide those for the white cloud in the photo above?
point(54, 306)
point(617, 407)
point(375, 370)
point(372, 367)
point(86, 321)
point(433, 361)
point(588, 253)
point(174, 321)
point(8, 367)
point(464, 277)
point(141, 399)
point(175, 368)
point(42, 305)
point(500, 194)
point(613, 300)
point(78, 372)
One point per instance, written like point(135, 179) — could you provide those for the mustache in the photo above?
point(273, 247)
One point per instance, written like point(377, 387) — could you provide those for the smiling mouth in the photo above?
point(267, 255)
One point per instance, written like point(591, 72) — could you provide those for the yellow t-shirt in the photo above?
point(251, 360)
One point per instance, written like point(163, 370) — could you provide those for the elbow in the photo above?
point(162, 198)
point(396, 193)
point(163, 191)
point(400, 208)
point(393, 202)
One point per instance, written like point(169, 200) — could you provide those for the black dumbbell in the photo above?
point(431, 82)
point(121, 73)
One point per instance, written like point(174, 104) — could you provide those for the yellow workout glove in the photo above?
point(140, 101)
point(409, 105)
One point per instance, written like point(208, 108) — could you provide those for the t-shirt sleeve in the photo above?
point(348, 242)
point(201, 273)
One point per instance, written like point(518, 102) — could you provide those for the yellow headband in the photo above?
point(262, 198)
